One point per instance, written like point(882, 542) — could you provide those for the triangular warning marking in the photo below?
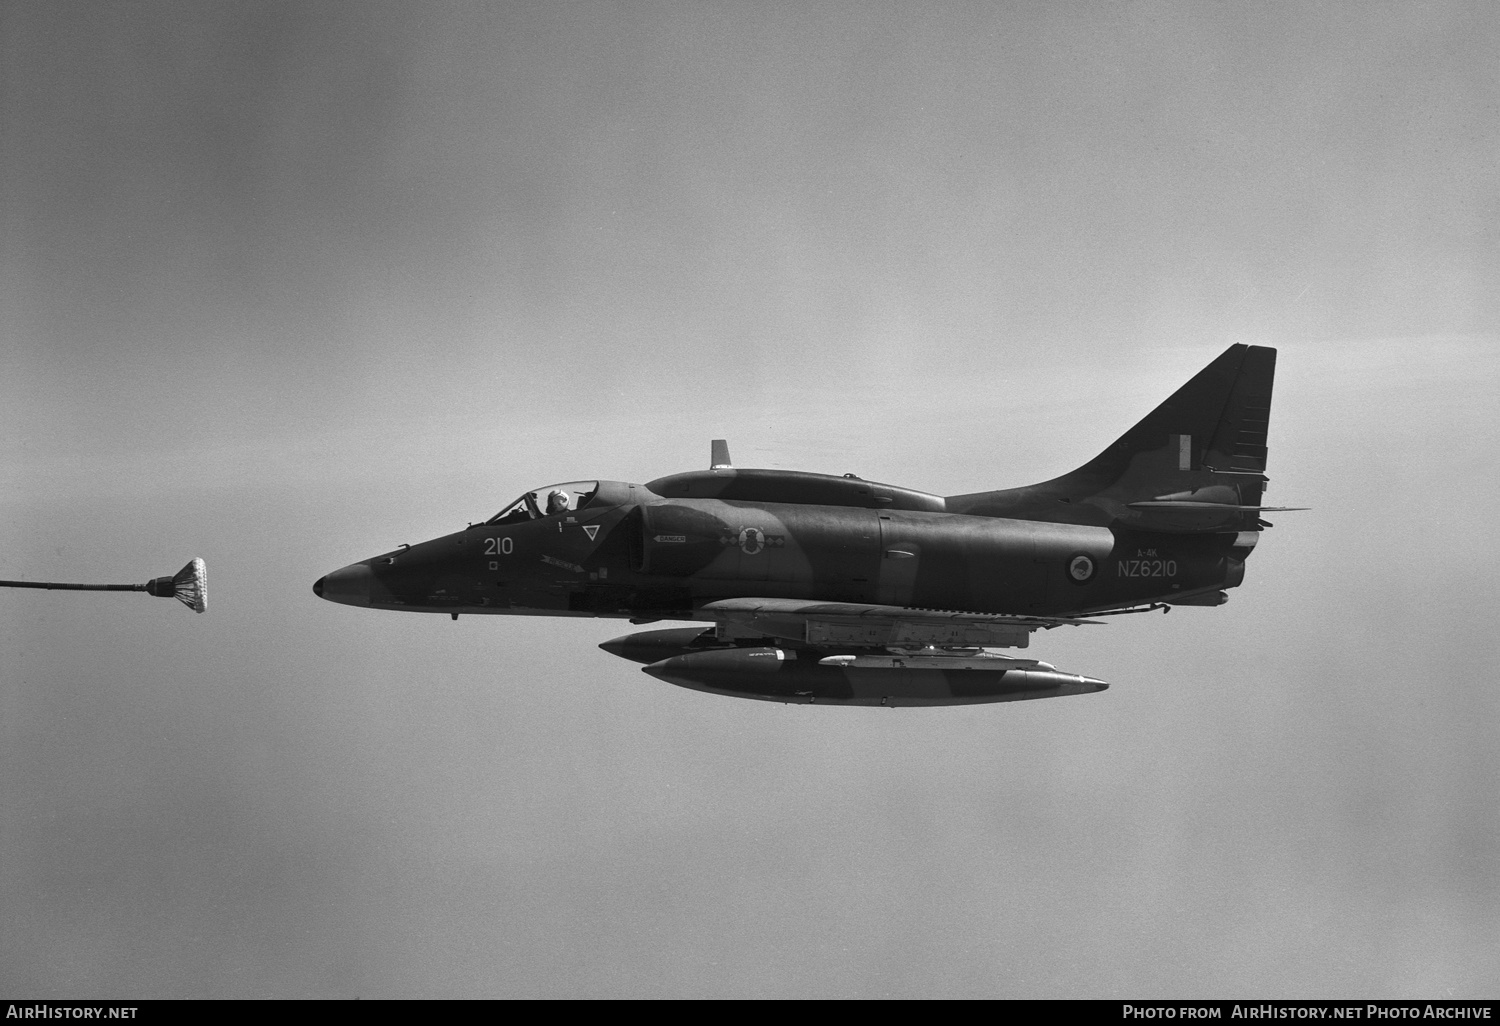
point(591, 530)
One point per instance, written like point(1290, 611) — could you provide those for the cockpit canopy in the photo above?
point(548, 501)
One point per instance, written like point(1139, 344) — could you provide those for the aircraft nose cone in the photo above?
point(349, 585)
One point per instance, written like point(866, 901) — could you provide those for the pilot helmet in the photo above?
point(557, 500)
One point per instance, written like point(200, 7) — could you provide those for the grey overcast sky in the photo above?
point(285, 284)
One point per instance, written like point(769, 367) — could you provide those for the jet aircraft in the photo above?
point(812, 588)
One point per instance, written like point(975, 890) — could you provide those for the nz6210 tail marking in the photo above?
point(836, 590)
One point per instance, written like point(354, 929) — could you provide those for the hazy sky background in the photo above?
point(284, 285)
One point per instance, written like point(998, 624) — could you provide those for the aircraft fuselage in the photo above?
point(837, 589)
point(631, 553)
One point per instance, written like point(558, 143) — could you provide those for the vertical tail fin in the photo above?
point(1196, 462)
point(1216, 422)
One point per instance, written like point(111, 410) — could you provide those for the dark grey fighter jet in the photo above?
point(843, 591)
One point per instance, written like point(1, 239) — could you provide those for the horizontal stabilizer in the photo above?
point(1222, 507)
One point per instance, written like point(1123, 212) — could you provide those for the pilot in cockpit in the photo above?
point(557, 502)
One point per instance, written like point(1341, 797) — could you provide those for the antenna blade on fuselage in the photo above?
point(719, 455)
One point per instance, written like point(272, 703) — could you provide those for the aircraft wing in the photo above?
point(866, 625)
